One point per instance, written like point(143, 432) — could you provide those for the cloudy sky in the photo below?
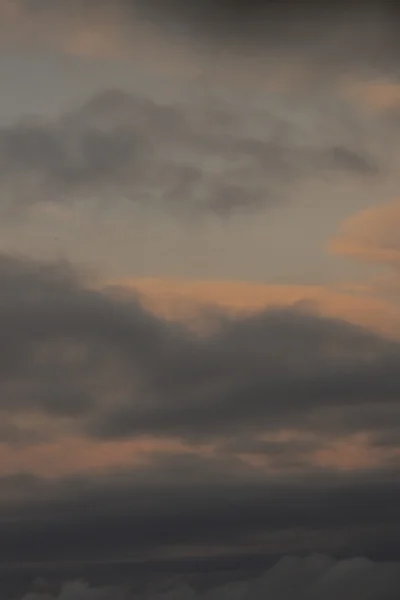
point(199, 282)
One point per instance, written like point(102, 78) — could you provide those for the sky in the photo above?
point(200, 293)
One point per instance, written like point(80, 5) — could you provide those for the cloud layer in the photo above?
point(338, 34)
point(102, 355)
point(151, 419)
point(315, 577)
point(281, 415)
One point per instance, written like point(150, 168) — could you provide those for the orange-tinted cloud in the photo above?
point(372, 235)
point(375, 95)
point(76, 455)
point(354, 452)
point(365, 235)
point(186, 299)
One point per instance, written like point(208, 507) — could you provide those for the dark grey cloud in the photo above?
point(274, 369)
point(264, 21)
point(317, 576)
point(177, 502)
point(115, 370)
point(21, 436)
point(180, 158)
point(102, 365)
point(330, 36)
point(336, 34)
point(346, 159)
point(57, 334)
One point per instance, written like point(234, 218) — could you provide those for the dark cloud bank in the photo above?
point(317, 577)
point(336, 34)
point(277, 368)
point(98, 364)
point(343, 33)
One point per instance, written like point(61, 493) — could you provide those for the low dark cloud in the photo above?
point(276, 369)
point(317, 576)
point(179, 502)
point(103, 366)
point(119, 371)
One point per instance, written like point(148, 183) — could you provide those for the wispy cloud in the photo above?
point(185, 158)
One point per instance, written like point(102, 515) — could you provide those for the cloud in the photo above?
point(248, 433)
point(196, 301)
point(271, 427)
point(371, 235)
point(103, 364)
point(182, 158)
point(48, 320)
point(336, 35)
point(177, 502)
point(54, 453)
point(377, 95)
point(275, 369)
point(315, 576)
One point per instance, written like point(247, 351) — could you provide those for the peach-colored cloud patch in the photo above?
point(353, 452)
point(74, 455)
point(375, 95)
point(372, 235)
point(186, 299)
point(346, 453)
point(78, 455)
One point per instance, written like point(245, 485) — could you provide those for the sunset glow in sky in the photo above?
point(199, 281)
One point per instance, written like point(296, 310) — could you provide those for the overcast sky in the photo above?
point(199, 281)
